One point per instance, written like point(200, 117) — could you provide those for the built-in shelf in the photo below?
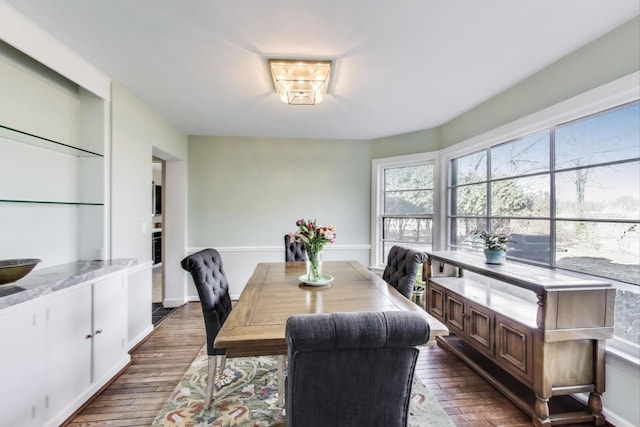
point(52, 194)
point(39, 141)
point(47, 202)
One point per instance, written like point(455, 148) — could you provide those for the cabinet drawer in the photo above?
point(455, 306)
point(514, 351)
point(480, 328)
point(435, 301)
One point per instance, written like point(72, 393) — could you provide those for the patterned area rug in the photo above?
point(246, 395)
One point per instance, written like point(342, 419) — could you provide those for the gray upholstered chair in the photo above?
point(352, 369)
point(211, 282)
point(208, 275)
point(402, 268)
point(293, 250)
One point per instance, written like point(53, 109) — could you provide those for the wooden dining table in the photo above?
point(275, 291)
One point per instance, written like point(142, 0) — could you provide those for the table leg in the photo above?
point(281, 380)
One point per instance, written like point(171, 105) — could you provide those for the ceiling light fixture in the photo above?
point(300, 82)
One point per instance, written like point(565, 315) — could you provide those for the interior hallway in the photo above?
point(158, 312)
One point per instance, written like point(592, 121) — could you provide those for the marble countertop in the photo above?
point(44, 281)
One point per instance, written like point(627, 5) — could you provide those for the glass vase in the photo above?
point(314, 265)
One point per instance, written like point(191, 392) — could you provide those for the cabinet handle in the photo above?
point(98, 331)
point(89, 336)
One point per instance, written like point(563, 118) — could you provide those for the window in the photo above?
point(403, 205)
point(569, 196)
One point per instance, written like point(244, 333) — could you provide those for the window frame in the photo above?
point(608, 96)
point(378, 167)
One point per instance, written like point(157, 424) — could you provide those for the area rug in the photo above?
point(246, 395)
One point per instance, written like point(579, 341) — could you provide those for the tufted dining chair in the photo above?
point(402, 268)
point(352, 369)
point(212, 285)
point(293, 250)
point(208, 275)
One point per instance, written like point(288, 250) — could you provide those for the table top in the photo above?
point(256, 325)
point(537, 279)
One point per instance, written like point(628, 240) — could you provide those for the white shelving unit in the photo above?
point(53, 194)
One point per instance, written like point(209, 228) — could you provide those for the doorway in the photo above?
point(157, 186)
point(174, 228)
point(158, 311)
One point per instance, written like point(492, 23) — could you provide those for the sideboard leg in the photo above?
point(595, 404)
point(542, 412)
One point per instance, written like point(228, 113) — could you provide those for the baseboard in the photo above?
point(173, 302)
point(138, 339)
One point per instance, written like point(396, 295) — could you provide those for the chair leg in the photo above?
point(212, 364)
point(223, 362)
point(281, 380)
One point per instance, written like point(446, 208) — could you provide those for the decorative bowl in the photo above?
point(15, 269)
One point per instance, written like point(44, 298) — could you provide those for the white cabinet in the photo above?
point(139, 284)
point(86, 332)
point(22, 371)
point(60, 349)
point(109, 326)
point(68, 349)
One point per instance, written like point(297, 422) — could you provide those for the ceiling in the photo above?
point(399, 65)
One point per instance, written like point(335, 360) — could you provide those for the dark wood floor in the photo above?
point(138, 394)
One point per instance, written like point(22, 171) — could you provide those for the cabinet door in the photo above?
point(480, 328)
point(514, 347)
point(68, 346)
point(109, 326)
point(22, 372)
point(435, 301)
point(455, 310)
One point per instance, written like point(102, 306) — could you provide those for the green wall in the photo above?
point(250, 191)
point(609, 57)
point(409, 143)
point(614, 55)
point(135, 130)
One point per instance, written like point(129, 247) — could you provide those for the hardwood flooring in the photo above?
point(138, 394)
point(467, 398)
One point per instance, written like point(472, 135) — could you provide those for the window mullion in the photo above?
point(488, 213)
point(552, 202)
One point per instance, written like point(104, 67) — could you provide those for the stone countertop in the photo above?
point(50, 279)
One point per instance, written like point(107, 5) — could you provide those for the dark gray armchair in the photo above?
point(293, 250)
point(352, 369)
point(205, 267)
point(402, 268)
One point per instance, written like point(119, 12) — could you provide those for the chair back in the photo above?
point(402, 268)
point(293, 250)
point(352, 369)
point(208, 275)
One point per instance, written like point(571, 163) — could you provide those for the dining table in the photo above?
point(277, 290)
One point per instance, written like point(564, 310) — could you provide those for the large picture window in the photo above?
point(569, 197)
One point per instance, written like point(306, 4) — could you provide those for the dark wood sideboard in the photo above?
point(534, 333)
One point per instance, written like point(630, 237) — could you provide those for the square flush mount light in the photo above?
point(300, 82)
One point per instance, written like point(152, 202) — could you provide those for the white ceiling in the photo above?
point(400, 65)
